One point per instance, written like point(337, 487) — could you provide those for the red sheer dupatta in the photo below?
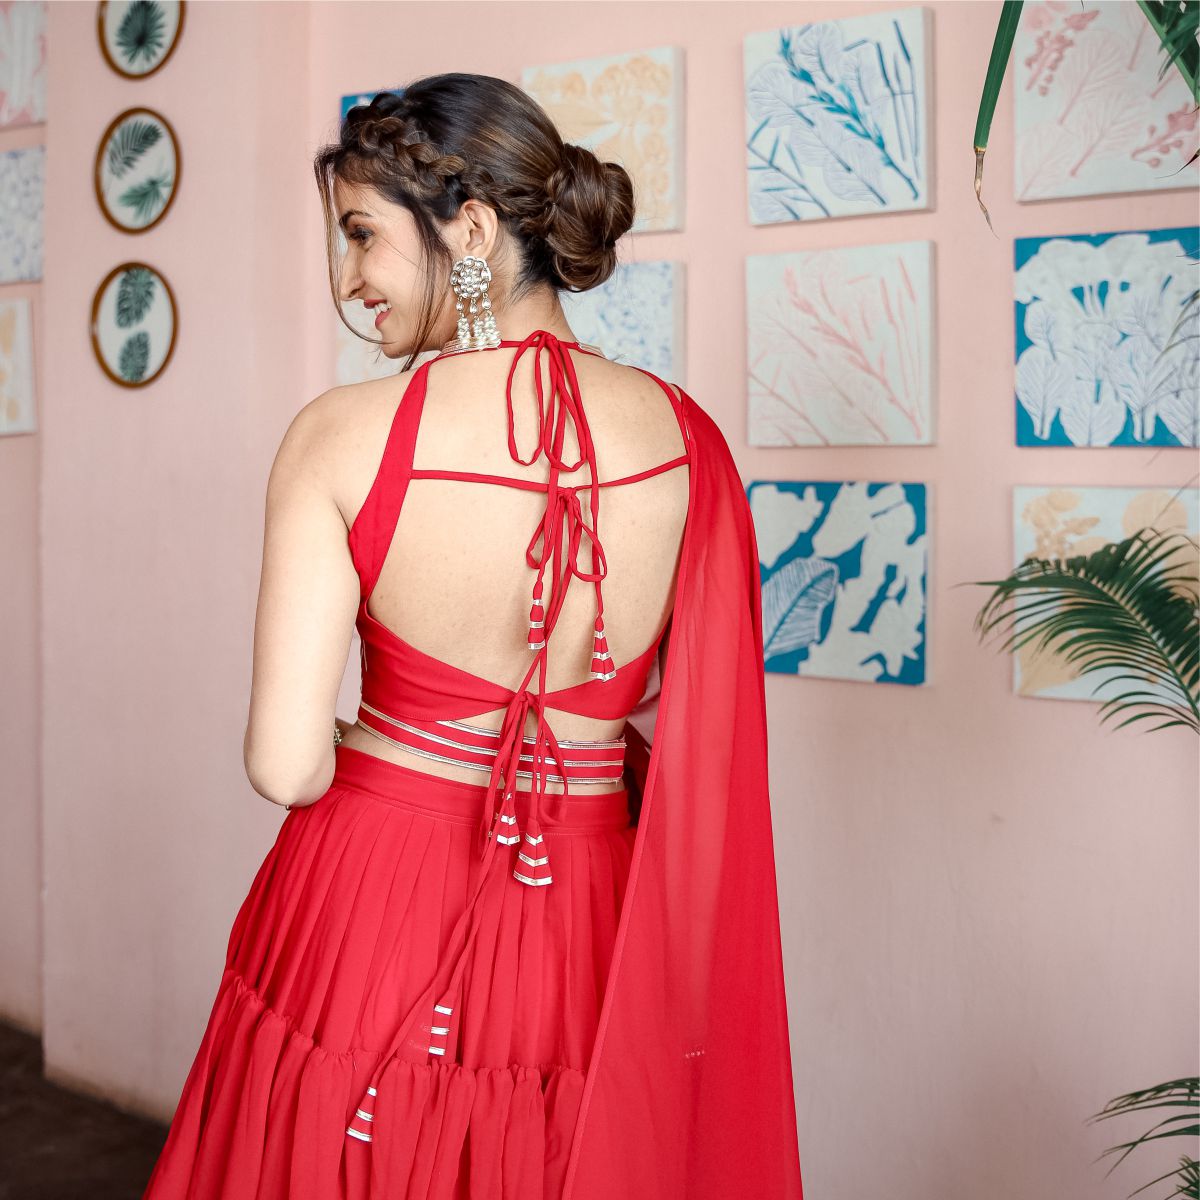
point(689, 1090)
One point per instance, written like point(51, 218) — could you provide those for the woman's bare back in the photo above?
point(455, 582)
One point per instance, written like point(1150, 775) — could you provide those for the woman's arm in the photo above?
point(307, 602)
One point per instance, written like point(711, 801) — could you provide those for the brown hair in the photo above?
point(452, 137)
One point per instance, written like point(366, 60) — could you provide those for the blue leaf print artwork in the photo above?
point(1108, 339)
point(843, 569)
point(794, 601)
point(836, 118)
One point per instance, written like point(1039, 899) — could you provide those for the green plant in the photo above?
point(1179, 1093)
point(1127, 613)
point(1176, 24)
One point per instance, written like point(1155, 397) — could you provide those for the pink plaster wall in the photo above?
point(20, 689)
point(988, 903)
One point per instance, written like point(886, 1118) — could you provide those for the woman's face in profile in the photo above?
point(381, 266)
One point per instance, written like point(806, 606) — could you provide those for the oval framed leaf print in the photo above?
point(137, 170)
point(134, 324)
point(138, 36)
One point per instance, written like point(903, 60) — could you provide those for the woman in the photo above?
point(518, 935)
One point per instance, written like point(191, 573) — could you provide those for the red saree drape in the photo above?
point(689, 1090)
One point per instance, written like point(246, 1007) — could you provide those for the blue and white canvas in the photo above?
point(838, 117)
point(843, 569)
point(1065, 521)
point(1108, 350)
point(636, 316)
point(22, 199)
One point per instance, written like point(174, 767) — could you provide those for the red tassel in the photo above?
point(533, 859)
point(360, 1126)
point(509, 834)
point(439, 1029)
point(602, 667)
point(537, 619)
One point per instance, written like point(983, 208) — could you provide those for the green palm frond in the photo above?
point(1127, 612)
point(1006, 30)
point(1177, 25)
point(1189, 311)
point(1177, 1093)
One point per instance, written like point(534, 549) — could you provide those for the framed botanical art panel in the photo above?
point(843, 569)
point(1092, 115)
point(838, 117)
point(1108, 339)
point(840, 346)
point(626, 108)
point(1064, 521)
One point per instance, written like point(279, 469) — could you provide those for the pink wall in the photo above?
point(20, 687)
point(988, 903)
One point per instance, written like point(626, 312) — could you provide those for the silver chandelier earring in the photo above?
point(476, 325)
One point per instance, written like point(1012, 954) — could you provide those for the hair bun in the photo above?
point(589, 207)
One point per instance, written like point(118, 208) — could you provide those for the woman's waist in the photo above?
point(364, 771)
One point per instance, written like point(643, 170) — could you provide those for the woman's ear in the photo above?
point(480, 230)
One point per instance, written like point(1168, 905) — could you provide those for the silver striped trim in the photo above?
point(440, 1029)
point(550, 776)
point(507, 819)
point(537, 624)
point(433, 737)
point(437, 1050)
point(533, 882)
point(442, 741)
point(362, 1137)
point(529, 737)
point(509, 841)
point(358, 1112)
point(439, 1008)
point(533, 862)
point(372, 1092)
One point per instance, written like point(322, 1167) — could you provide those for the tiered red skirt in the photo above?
point(344, 926)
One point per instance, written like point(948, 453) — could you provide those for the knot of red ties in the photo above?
point(554, 409)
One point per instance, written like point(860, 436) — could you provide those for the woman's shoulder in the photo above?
point(339, 435)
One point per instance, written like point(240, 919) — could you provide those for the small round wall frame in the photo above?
point(137, 37)
point(137, 170)
point(134, 324)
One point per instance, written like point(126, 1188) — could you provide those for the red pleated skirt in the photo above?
point(344, 927)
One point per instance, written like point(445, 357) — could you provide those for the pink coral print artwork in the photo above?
point(840, 346)
point(22, 63)
point(1092, 116)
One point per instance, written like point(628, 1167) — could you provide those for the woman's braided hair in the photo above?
point(450, 138)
